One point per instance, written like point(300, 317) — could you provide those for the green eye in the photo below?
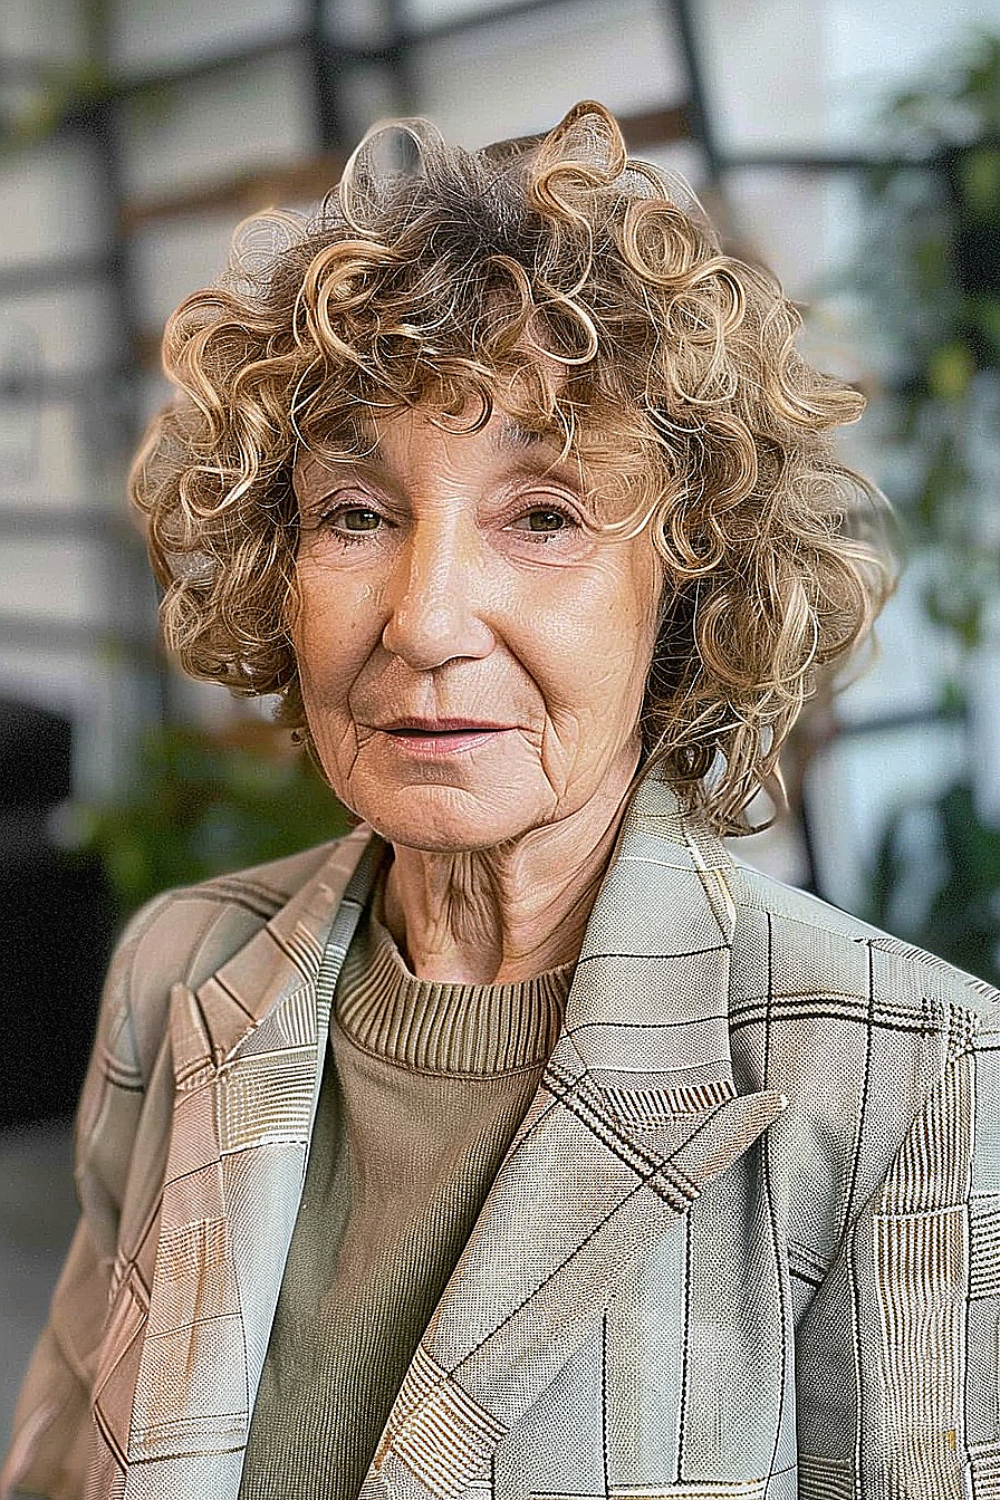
point(358, 518)
point(545, 520)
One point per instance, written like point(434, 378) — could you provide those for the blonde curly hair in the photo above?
point(587, 295)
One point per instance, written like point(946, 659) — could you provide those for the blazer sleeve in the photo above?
point(896, 1359)
point(51, 1436)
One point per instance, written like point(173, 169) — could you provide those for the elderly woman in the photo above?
point(523, 1143)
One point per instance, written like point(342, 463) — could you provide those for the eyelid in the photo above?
point(557, 508)
point(350, 497)
point(527, 498)
point(570, 507)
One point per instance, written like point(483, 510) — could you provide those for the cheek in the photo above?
point(593, 653)
point(646, 584)
point(329, 636)
point(623, 626)
point(627, 640)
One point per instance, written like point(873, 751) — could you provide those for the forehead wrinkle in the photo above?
point(360, 440)
point(510, 436)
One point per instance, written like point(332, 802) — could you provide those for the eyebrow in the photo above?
point(512, 436)
point(356, 438)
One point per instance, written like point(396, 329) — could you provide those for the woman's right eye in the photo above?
point(356, 518)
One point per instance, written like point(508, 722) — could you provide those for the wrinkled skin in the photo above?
point(473, 655)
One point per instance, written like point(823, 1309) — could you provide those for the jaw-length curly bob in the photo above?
point(587, 295)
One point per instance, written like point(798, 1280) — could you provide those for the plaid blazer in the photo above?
point(745, 1245)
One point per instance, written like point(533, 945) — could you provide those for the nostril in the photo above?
point(426, 633)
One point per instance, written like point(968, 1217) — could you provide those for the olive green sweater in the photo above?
point(424, 1086)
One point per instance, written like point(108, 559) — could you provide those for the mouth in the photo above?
point(440, 736)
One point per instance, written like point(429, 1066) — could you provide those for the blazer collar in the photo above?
point(283, 958)
point(648, 1008)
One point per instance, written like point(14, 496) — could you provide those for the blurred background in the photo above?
point(853, 147)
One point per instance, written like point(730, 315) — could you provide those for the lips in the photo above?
point(440, 737)
point(442, 726)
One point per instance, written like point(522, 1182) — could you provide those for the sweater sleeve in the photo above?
point(51, 1436)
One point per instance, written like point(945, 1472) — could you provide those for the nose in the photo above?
point(437, 599)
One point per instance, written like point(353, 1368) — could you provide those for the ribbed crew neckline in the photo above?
point(437, 1027)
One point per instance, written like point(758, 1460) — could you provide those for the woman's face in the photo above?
point(472, 656)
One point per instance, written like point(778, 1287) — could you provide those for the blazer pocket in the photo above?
point(919, 1278)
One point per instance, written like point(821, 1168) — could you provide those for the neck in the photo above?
point(505, 914)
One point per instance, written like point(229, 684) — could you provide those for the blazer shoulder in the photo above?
point(266, 886)
point(825, 942)
point(186, 934)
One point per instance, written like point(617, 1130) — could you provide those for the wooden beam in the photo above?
point(237, 196)
point(656, 127)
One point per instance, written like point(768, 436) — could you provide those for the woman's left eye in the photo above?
point(542, 521)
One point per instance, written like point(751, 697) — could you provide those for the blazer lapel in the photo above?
point(636, 1113)
point(248, 1048)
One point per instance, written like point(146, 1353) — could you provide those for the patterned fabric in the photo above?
point(745, 1243)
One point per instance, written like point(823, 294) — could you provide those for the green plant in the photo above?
point(955, 908)
point(203, 804)
point(932, 278)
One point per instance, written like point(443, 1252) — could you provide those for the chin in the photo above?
point(442, 821)
point(442, 837)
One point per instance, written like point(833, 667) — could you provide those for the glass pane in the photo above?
point(520, 76)
point(156, 33)
point(76, 327)
point(765, 72)
point(439, 12)
point(240, 120)
point(358, 22)
point(173, 258)
point(683, 157)
point(811, 75)
point(51, 199)
point(58, 461)
point(47, 579)
point(55, 31)
point(916, 659)
point(366, 95)
point(873, 51)
point(854, 787)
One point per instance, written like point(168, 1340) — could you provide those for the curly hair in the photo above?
point(588, 295)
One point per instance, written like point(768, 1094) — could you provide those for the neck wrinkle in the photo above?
point(500, 915)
